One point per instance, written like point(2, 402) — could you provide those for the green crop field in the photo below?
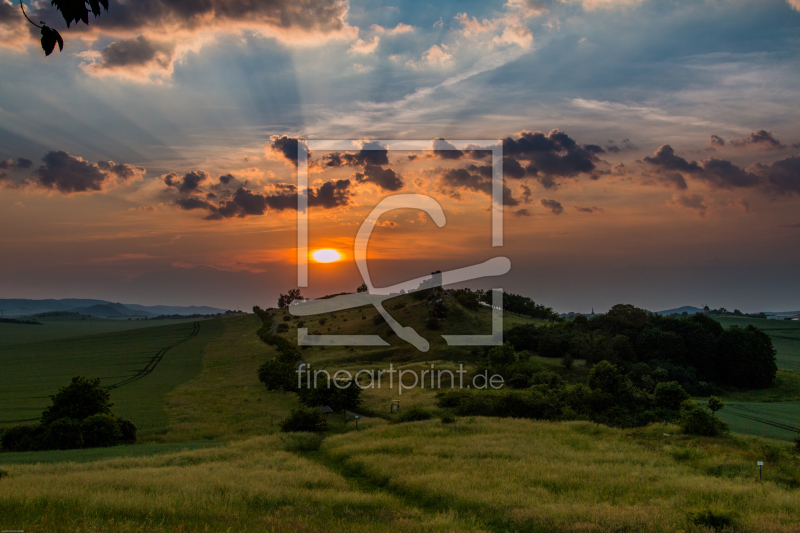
point(142, 365)
point(777, 420)
point(61, 327)
point(785, 335)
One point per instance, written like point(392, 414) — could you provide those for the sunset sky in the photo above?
point(651, 148)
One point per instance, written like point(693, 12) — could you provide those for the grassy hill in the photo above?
point(217, 462)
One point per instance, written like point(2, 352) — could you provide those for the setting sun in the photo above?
point(326, 255)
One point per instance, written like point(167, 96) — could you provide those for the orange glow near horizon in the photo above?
point(326, 255)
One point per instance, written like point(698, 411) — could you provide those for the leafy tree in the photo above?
point(501, 356)
point(670, 395)
point(362, 288)
point(79, 400)
point(304, 420)
point(285, 299)
point(749, 358)
point(715, 404)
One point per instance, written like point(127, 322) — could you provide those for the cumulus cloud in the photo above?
point(139, 57)
point(782, 177)
point(589, 209)
point(623, 146)
point(550, 158)
point(717, 173)
point(695, 202)
point(762, 139)
point(364, 47)
point(15, 32)
point(190, 23)
point(283, 147)
point(554, 206)
point(454, 180)
point(189, 183)
point(385, 178)
point(436, 55)
point(69, 174)
point(593, 5)
point(20, 164)
point(794, 4)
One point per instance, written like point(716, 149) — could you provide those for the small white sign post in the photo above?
point(760, 464)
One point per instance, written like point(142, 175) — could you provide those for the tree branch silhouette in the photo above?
point(72, 11)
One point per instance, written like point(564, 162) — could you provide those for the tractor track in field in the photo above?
point(149, 367)
point(748, 414)
point(151, 364)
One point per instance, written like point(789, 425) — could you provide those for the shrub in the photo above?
point(282, 328)
point(100, 431)
point(715, 520)
point(128, 430)
point(3, 473)
point(448, 418)
point(670, 395)
point(64, 434)
point(322, 321)
point(697, 421)
point(303, 420)
point(414, 414)
point(21, 438)
point(287, 318)
point(567, 361)
point(301, 324)
point(377, 319)
point(797, 443)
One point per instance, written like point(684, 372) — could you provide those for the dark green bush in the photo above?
point(282, 328)
point(716, 520)
point(64, 434)
point(414, 414)
point(448, 418)
point(670, 395)
point(697, 421)
point(100, 431)
point(21, 438)
point(304, 420)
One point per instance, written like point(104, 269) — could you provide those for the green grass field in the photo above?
point(135, 359)
point(59, 327)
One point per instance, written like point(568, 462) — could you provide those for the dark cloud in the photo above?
point(722, 174)
point(666, 159)
point(624, 146)
point(371, 153)
point(522, 213)
point(321, 16)
point(716, 141)
point(190, 203)
point(137, 52)
point(782, 177)
point(555, 207)
point(718, 173)
point(20, 164)
point(551, 157)
point(761, 138)
point(456, 179)
point(69, 174)
point(589, 209)
point(189, 183)
point(284, 146)
point(331, 194)
point(385, 178)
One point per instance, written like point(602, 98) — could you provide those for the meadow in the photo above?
point(211, 457)
point(477, 474)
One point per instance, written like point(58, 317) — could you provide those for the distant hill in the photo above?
point(111, 311)
point(685, 309)
point(10, 308)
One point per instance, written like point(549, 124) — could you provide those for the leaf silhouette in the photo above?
point(76, 10)
point(49, 39)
